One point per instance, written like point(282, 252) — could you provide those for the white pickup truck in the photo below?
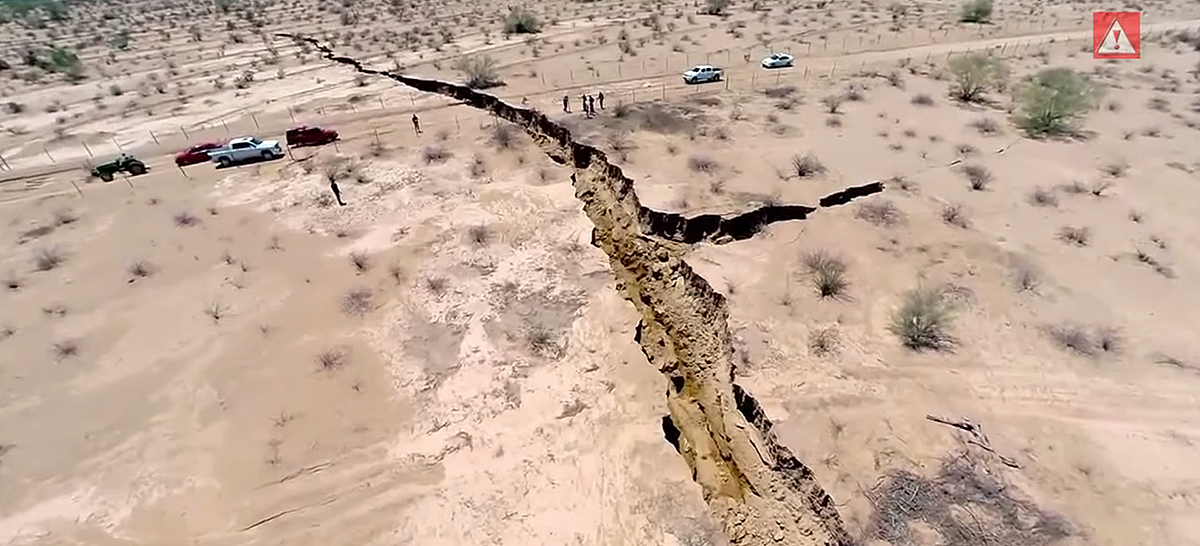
point(244, 149)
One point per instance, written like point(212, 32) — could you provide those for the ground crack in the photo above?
point(754, 486)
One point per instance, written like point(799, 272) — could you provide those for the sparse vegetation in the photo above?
point(521, 21)
point(976, 11)
point(1042, 197)
point(923, 320)
point(1078, 236)
point(880, 212)
point(976, 73)
point(978, 176)
point(435, 154)
point(480, 235)
point(703, 164)
point(1053, 100)
point(715, 7)
point(331, 359)
point(358, 301)
point(833, 104)
point(807, 165)
point(828, 273)
point(185, 219)
point(141, 269)
point(1086, 341)
point(824, 341)
point(361, 261)
point(481, 71)
point(48, 258)
point(922, 99)
point(504, 136)
point(65, 349)
point(955, 215)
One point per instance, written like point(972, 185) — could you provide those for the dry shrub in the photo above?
point(1086, 341)
point(880, 212)
point(978, 176)
point(141, 269)
point(48, 258)
point(833, 103)
point(780, 91)
point(435, 154)
point(828, 274)
point(331, 359)
point(541, 341)
point(807, 165)
point(360, 261)
point(1078, 236)
point(480, 235)
point(964, 484)
point(64, 349)
point(824, 341)
point(703, 164)
point(1042, 197)
point(955, 215)
point(358, 301)
point(185, 219)
point(922, 99)
point(923, 320)
point(504, 136)
point(986, 126)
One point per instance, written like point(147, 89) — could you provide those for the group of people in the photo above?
point(587, 102)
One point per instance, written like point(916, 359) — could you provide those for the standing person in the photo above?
point(592, 105)
point(583, 101)
point(416, 124)
point(336, 192)
point(566, 104)
point(600, 97)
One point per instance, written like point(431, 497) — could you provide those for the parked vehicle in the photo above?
point(122, 163)
point(703, 73)
point(309, 136)
point(196, 154)
point(244, 149)
point(778, 60)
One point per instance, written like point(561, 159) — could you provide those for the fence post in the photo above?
point(5, 163)
point(89, 150)
point(381, 104)
point(664, 91)
point(152, 135)
point(184, 131)
point(226, 125)
point(48, 154)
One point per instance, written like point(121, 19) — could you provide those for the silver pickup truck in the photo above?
point(244, 149)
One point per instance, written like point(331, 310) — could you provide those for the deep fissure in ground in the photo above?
point(754, 486)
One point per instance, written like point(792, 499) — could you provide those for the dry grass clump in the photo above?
point(504, 136)
point(541, 341)
point(358, 301)
point(780, 91)
point(48, 258)
point(360, 261)
point(1042, 197)
point(922, 99)
point(807, 165)
point(954, 214)
point(824, 341)
point(923, 320)
point(986, 126)
point(1086, 341)
point(828, 274)
point(978, 176)
point(833, 104)
point(65, 349)
point(216, 310)
point(141, 269)
point(703, 164)
point(185, 219)
point(880, 212)
point(435, 154)
point(331, 359)
point(480, 235)
point(1078, 236)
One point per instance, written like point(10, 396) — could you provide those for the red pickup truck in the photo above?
point(309, 136)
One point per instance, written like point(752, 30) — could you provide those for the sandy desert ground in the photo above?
point(483, 346)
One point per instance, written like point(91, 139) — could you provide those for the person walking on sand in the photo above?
point(566, 104)
point(600, 98)
point(583, 102)
point(416, 125)
point(336, 192)
point(592, 105)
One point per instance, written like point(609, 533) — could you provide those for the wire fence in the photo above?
point(631, 80)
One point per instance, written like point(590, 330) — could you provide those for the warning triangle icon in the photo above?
point(1115, 41)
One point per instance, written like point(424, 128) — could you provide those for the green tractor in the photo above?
point(123, 163)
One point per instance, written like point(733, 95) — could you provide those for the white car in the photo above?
point(778, 60)
point(703, 73)
point(244, 149)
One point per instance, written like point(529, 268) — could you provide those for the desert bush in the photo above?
point(521, 21)
point(986, 126)
point(185, 218)
point(65, 349)
point(923, 320)
point(479, 234)
point(824, 341)
point(216, 310)
point(1042, 197)
point(141, 269)
point(331, 359)
point(1053, 100)
point(974, 74)
point(833, 121)
point(435, 154)
point(704, 164)
point(358, 301)
point(1079, 339)
point(621, 144)
point(504, 135)
point(48, 258)
point(780, 91)
point(922, 99)
point(480, 70)
point(880, 212)
point(1026, 276)
point(833, 103)
point(1078, 236)
point(828, 274)
point(360, 261)
point(1116, 169)
point(976, 11)
point(978, 176)
point(715, 7)
point(955, 215)
point(807, 165)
